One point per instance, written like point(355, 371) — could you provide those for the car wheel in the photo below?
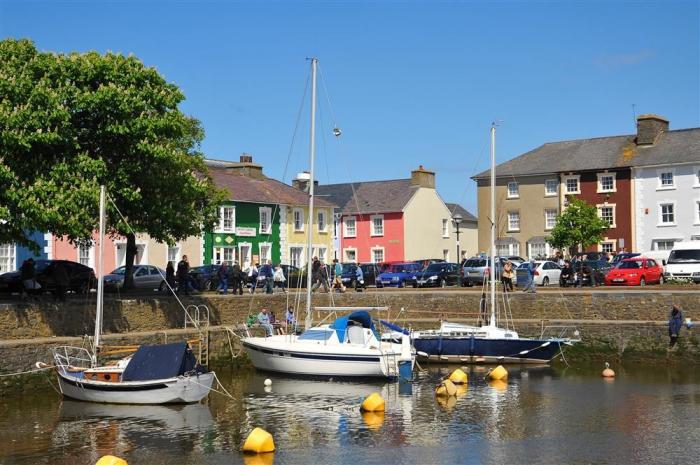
point(443, 283)
point(163, 288)
point(642, 281)
point(401, 284)
point(415, 285)
point(469, 284)
point(545, 281)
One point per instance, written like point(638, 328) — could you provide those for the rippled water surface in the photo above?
point(541, 415)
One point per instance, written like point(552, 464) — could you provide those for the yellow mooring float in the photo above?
point(373, 420)
point(458, 377)
point(499, 373)
point(446, 388)
point(373, 403)
point(111, 460)
point(259, 441)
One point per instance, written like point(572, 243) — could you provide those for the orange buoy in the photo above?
point(608, 372)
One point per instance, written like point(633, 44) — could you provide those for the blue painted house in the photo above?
point(12, 255)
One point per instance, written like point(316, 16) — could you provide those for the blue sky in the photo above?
point(409, 82)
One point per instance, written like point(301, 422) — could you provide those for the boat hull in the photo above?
point(179, 390)
point(483, 350)
point(318, 363)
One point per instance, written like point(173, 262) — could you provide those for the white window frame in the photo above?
point(556, 188)
point(697, 212)
point(222, 210)
point(531, 254)
point(547, 227)
point(446, 255)
point(445, 228)
point(659, 173)
point(373, 230)
point(611, 242)
point(696, 176)
point(241, 258)
point(265, 212)
point(347, 233)
point(659, 207)
point(90, 255)
point(606, 174)
point(10, 259)
point(345, 254)
point(656, 242)
point(511, 195)
point(321, 251)
point(377, 249)
point(177, 254)
point(300, 262)
point(614, 213)
point(511, 229)
point(300, 212)
point(268, 255)
point(566, 178)
point(219, 254)
point(322, 214)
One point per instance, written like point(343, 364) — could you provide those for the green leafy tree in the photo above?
point(73, 122)
point(578, 226)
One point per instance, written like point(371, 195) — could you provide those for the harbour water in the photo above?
point(646, 415)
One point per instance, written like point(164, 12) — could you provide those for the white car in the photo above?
point(546, 273)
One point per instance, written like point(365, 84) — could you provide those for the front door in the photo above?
point(244, 253)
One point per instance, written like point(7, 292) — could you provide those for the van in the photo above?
point(661, 256)
point(684, 262)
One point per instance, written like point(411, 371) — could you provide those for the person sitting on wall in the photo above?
point(264, 321)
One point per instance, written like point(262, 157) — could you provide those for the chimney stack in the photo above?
point(423, 178)
point(301, 182)
point(246, 167)
point(649, 128)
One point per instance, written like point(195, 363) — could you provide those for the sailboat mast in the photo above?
point(100, 280)
point(310, 234)
point(492, 321)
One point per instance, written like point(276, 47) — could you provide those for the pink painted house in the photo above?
point(390, 221)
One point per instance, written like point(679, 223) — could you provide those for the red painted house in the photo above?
point(388, 221)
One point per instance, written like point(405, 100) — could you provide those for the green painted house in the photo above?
point(252, 223)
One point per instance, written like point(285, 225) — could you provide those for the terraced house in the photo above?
point(645, 185)
point(264, 219)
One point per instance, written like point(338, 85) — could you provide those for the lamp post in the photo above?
point(457, 219)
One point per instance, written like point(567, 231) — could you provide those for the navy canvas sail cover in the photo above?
point(160, 361)
point(360, 316)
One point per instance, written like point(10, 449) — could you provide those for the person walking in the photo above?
point(183, 276)
point(279, 278)
point(237, 278)
point(315, 274)
point(253, 277)
point(359, 279)
point(222, 275)
point(530, 285)
point(338, 276)
point(170, 275)
point(675, 321)
point(267, 273)
point(323, 276)
point(507, 276)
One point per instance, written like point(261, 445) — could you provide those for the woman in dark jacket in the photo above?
point(675, 321)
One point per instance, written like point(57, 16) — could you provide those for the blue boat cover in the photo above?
point(341, 324)
point(160, 361)
point(394, 327)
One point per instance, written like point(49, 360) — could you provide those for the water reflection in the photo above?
point(536, 415)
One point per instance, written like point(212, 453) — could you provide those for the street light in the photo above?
point(457, 219)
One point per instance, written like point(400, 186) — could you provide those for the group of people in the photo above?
point(266, 319)
point(31, 288)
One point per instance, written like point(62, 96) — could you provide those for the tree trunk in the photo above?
point(131, 251)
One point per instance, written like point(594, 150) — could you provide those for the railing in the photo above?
point(560, 332)
point(72, 357)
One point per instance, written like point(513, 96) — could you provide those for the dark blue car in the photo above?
point(398, 274)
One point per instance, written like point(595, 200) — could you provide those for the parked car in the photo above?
point(81, 278)
point(397, 275)
point(599, 268)
point(684, 261)
point(145, 277)
point(370, 271)
point(546, 273)
point(621, 256)
point(637, 271)
point(474, 269)
point(429, 261)
point(440, 274)
point(205, 277)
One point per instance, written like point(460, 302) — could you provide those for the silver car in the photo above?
point(145, 277)
point(474, 269)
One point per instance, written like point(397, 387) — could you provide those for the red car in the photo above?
point(637, 271)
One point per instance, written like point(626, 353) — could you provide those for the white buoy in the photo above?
point(268, 382)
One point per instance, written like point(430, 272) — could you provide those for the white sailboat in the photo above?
point(158, 374)
point(460, 343)
point(350, 346)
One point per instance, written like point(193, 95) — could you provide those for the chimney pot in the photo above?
point(649, 128)
point(246, 158)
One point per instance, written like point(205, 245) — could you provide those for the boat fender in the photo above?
point(446, 389)
point(373, 403)
point(111, 460)
point(458, 377)
point(258, 442)
point(499, 373)
point(608, 372)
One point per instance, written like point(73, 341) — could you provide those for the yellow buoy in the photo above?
point(267, 458)
point(458, 377)
point(499, 373)
point(259, 441)
point(461, 390)
point(373, 403)
point(111, 460)
point(608, 372)
point(373, 420)
point(446, 389)
point(446, 403)
point(498, 384)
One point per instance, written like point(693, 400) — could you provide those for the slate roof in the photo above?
point(265, 190)
point(455, 208)
point(677, 146)
point(370, 196)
